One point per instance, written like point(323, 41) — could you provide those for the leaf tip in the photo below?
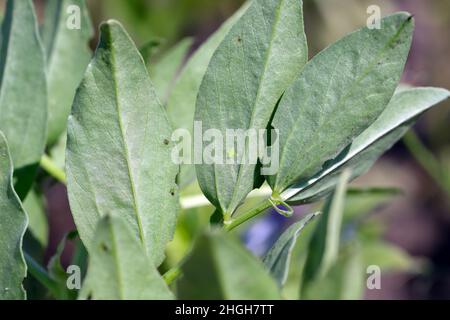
point(109, 26)
point(405, 15)
point(110, 23)
point(408, 18)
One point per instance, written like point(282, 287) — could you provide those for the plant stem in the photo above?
point(172, 275)
point(48, 165)
point(40, 274)
point(425, 158)
point(248, 215)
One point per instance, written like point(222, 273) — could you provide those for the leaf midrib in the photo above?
point(250, 125)
point(122, 135)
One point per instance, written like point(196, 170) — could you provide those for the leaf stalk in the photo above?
point(51, 168)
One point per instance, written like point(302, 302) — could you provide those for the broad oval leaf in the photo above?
point(219, 268)
point(258, 59)
point(365, 149)
point(278, 259)
point(23, 91)
point(181, 101)
point(13, 223)
point(68, 55)
point(119, 268)
point(118, 147)
point(339, 93)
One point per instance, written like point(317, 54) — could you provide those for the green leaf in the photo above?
point(339, 93)
point(68, 55)
point(352, 273)
point(181, 103)
point(365, 149)
point(80, 256)
point(23, 92)
point(118, 133)
point(38, 223)
point(345, 279)
point(360, 202)
point(324, 245)
point(57, 152)
point(12, 228)
point(59, 274)
point(24, 179)
point(387, 256)
point(291, 289)
point(119, 268)
point(258, 59)
point(182, 98)
point(164, 71)
point(426, 158)
point(219, 268)
point(278, 259)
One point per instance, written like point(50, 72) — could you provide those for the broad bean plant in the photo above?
point(166, 158)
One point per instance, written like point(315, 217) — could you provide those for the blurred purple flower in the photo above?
point(262, 234)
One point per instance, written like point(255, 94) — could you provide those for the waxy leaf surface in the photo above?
point(182, 98)
point(119, 268)
point(365, 149)
point(339, 93)
point(118, 147)
point(68, 54)
point(258, 59)
point(13, 223)
point(23, 90)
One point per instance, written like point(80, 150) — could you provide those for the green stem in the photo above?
point(40, 274)
point(171, 275)
point(48, 165)
point(234, 223)
point(425, 158)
